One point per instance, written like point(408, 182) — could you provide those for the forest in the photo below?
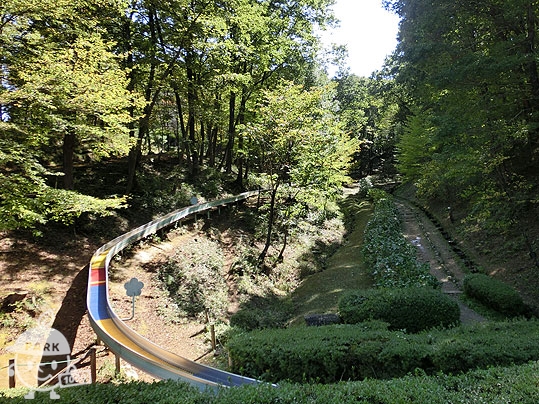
point(240, 88)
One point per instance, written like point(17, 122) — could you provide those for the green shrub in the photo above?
point(494, 294)
point(410, 309)
point(377, 194)
point(391, 260)
point(355, 352)
point(515, 384)
point(255, 318)
point(193, 278)
point(325, 354)
point(364, 186)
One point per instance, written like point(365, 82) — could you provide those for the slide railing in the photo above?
point(129, 345)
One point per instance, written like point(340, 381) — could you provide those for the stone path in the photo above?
point(433, 248)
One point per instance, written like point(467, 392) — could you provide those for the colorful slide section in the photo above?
point(126, 343)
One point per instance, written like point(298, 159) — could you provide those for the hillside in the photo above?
point(59, 297)
point(505, 256)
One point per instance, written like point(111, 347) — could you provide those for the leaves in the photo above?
point(59, 76)
point(471, 73)
point(391, 260)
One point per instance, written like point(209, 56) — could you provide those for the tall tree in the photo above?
point(62, 90)
point(368, 108)
point(301, 148)
point(470, 70)
point(216, 57)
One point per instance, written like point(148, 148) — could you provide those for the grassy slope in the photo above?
point(320, 292)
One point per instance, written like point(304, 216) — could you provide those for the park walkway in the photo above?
point(433, 248)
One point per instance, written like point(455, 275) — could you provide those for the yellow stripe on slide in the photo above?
point(99, 260)
point(96, 283)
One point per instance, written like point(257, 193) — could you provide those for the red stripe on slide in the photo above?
point(98, 276)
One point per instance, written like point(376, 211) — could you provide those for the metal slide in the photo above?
point(126, 343)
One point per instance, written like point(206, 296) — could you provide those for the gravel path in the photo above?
point(433, 248)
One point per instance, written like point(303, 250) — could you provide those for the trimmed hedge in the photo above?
point(515, 384)
point(494, 293)
point(391, 259)
point(354, 352)
point(410, 309)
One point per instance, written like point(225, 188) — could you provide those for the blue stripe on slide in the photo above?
point(98, 302)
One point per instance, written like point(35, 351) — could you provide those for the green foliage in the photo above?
point(377, 194)
point(83, 81)
point(391, 260)
point(469, 136)
point(27, 201)
point(369, 111)
point(271, 314)
point(354, 352)
point(298, 144)
point(494, 294)
point(193, 277)
point(410, 309)
point(325, 354)
point(364, 185)
point(514, 384)
point(60, 79)
point(162, 191)
point(299, 133)
point(414, 148)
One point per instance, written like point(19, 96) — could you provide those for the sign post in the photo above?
point(133, 288)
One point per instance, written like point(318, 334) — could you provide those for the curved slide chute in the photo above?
point(125, 342)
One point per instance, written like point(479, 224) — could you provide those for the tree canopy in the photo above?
point(63, 91)
point(299, 144)
point(82, 82)
point(454, 109)
point(469, 72)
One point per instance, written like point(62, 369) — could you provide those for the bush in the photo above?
point(494, 294)
point(515, 384)
point(391, 260)
point(262, 312)
point(193, 277)
point(330, 354)
point(410, 309)
point(364, 186)
point(377, 194)
point(325, 354)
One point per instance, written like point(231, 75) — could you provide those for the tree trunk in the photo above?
point(144, 122)
point(202, 140)
point(135, 153)
point(191, 108)
point(531, 68)
point(68, 149)
point(271, 219)
point(132, 160)
point(231, 132)
point(185, 150)
point(532, 64)
point(285, 243)
point(241, 156)
point(212, 144)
